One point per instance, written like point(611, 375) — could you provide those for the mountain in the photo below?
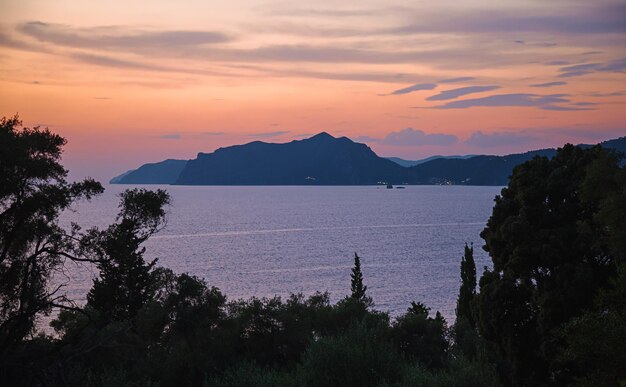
point(164, 172)
point(319, 160)
point(477, 170)
point(412, 163)
point(326, 160)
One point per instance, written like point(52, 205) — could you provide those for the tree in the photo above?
point(554, 249)
point(421, 337)
point(33, 192)
point(467, 292)
point(126, 281)
point(356, 286)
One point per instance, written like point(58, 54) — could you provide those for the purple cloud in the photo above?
point(456, 80)
point(549, 84)
point(416, 87)
point(174, 136)
point(412, 137)
point(268, 134)
point(116, 37)
point(545, 102)
point(614, 66)
point(482, 140)
point(558, 63)
point(455, 93)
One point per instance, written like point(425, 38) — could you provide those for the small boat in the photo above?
point(400, 187)
point(389, 186)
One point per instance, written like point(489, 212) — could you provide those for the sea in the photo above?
point(267, 241)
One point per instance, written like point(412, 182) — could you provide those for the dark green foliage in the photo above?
point(33, 191)
point(251, 375)
point(361, 356)
point(125, 282)
point(421, 337)
point(467, 292)
point(555, 245)
point(460, 372)
point(356, 284)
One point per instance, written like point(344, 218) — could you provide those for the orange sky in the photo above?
point(135, 82)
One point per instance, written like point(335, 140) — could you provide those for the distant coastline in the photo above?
point(327, 160)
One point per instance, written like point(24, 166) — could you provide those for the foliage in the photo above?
point(356, 284)
point(421, 337)
point(360, 356)
point(467, 292)
point(555, 246)
point(33, 192)
point(125, 282)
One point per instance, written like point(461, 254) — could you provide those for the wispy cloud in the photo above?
point(416, 87)
point(174, 136)
point(498, 139)
point(557, 63)
point(584, 19)
point(609, 94)
point(412, 137)
point(456, 93)
point(545, 102)
point(456, 80)
point(117, 37)
point(268, 134)
point(549, 84)
point(618, 66)
point(213, 133)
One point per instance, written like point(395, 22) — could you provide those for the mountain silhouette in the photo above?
point(327, 160)
point(319, 160)
point(164, 172)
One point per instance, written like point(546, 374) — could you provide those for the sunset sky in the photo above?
point(129, 82)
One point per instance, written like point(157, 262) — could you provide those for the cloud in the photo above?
point(609, 94)
point(455, 93)
point(106, 61)
point(174, 136)
point(117, 37)
point(367, 139)
point(617, 65)
point(549, 84)
point(416, 87)
point(578, 70)
point(483, 140)
point(592, 53)
point(545, 102)
point(557, 63)
point(456, 80)
point(318, 12)
point(268, 134)
point(213, 133)
point(412, 137)
point(584, 19)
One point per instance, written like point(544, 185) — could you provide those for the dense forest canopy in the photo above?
point(551, 311)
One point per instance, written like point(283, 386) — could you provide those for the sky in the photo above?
point(130, 82)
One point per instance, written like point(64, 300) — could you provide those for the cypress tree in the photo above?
point(357, 287)
point(468, 287)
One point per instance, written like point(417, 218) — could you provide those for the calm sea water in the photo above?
point(268, 241)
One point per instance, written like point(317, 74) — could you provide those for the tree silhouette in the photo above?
point(467, 292)
point(356, 286)
point(126, 282)
point(33, 192)
point(554, 250)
